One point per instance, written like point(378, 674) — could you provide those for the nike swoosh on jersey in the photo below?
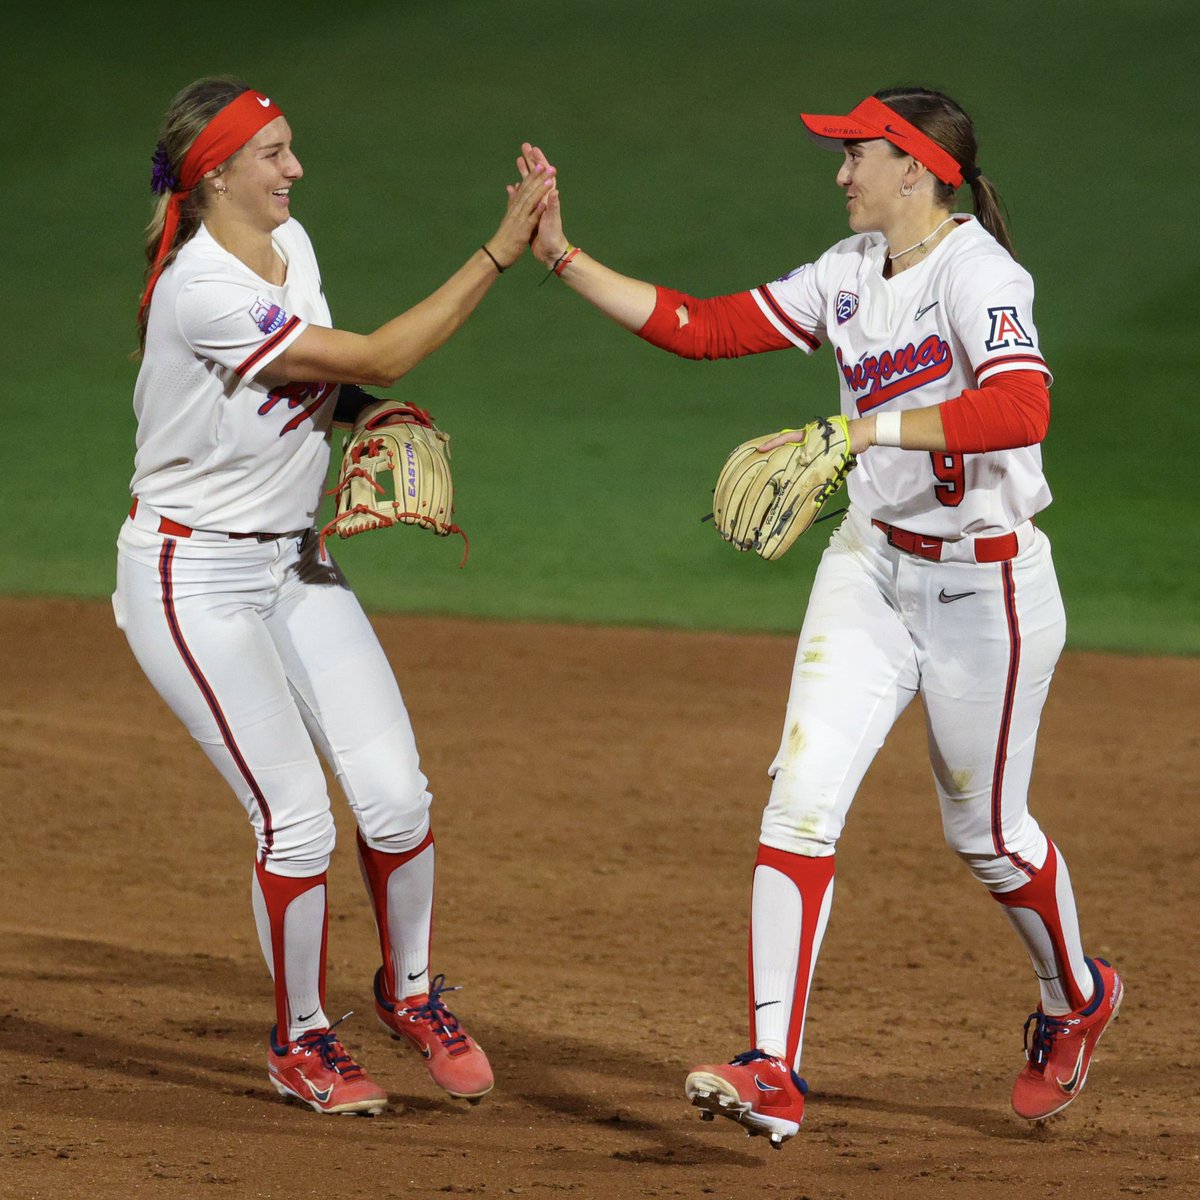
point(946, 598)
point(922, 311)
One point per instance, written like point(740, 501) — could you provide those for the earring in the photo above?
point(221, 188)
point(906, 189)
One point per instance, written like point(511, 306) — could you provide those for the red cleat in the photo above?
point(1060, 1050)
point(317, 1071)
point(455, 1061)
point(760, 1092)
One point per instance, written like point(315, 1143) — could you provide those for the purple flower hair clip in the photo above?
point(162, 178)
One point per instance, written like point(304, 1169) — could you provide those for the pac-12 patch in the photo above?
point(266, 315)
point(847, 306)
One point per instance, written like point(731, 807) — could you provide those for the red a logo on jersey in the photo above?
point(1007, 329)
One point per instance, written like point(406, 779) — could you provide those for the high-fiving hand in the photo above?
point(527, 205)
point(549, 243)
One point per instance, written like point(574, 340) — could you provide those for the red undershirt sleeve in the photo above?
point(722, 327)
point(1011, 409)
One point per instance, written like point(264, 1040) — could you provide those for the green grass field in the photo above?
point(584, 458)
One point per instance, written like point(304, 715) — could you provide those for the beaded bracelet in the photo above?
point(564, 259)
point(559, 264)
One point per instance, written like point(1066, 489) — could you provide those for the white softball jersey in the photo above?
point(953, 321)
point(216, 449)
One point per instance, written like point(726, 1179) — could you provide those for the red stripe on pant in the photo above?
point(377, 867)
point(278, 893)
point(1010, 693)
point(165, 567)
point(812, 878)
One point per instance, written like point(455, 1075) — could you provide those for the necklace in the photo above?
point(921, 244)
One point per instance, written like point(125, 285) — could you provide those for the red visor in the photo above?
point(874, 119)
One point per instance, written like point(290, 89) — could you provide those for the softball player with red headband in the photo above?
point(255, 642)
point(936, 582)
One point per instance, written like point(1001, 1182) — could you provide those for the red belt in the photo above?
point(987, 549)
point(175, 529)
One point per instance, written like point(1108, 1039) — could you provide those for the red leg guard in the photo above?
point(1040, 896)
point(813, 878)
point(377, 867)
point(278, 892)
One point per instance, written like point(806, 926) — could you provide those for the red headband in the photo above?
point(874, 119)
point(218, 141)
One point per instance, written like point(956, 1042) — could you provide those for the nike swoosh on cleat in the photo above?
point(765, 1087)
point(922, 311)
point(1069, 1085)
point(322, 1097)
point(946, 598)
point(765, 1003)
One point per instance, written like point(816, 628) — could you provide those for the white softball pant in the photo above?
point(266, 656)
point(978, 641)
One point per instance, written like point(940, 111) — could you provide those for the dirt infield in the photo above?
point(596, 802)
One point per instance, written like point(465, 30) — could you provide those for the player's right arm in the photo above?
point(380, 358)
point(719, 327)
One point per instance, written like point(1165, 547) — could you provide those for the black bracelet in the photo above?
point(493, 258)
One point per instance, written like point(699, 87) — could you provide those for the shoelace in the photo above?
point(1045, 1030)
point(444, 1022)
point(333, 1053)
point(750, 1056)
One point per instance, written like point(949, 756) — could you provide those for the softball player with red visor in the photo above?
point(935, 584)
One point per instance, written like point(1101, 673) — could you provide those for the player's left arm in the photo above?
point(1011, 409)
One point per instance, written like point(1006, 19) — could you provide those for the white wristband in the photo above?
point(887, 429)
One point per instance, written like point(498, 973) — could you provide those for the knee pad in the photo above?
point(1004, 872)
point(397, 829)
point(797, 821)
point(304, 847)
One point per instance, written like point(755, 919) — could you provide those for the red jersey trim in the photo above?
point(1012, 362)
point(796, 330)
point(259, 354)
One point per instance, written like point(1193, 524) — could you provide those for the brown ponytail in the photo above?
point(939, 117)
point(188, 114)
